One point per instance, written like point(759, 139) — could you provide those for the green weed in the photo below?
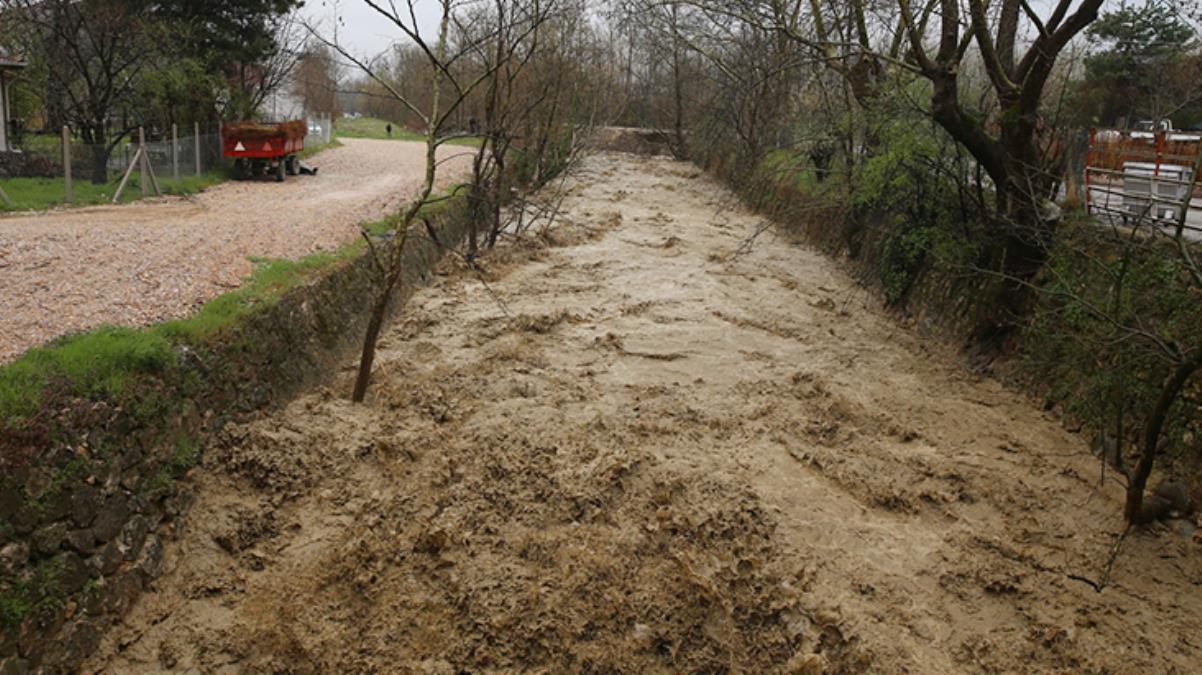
point(37, 194)
point(371, 127)
point(96, 363)
point(271, 279)
point(314, 149)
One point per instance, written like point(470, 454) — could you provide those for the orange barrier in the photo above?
point(1144, 174)
point(1111, 148)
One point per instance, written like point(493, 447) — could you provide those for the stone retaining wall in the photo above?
point(84, 518)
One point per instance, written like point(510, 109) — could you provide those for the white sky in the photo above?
point(366, 33)
point(363, 30)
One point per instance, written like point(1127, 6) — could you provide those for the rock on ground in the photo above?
point(135, 264)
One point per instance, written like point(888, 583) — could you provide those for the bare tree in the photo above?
point(389, 258)
point(251, 83)
point(523, 66)
point(1014, 45)
point(660, 28)
point(447, 92)
point(316, 80)
point(528, 52)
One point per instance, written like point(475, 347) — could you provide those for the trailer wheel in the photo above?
point(279, 171)
point(239, 169)
point(293, 165)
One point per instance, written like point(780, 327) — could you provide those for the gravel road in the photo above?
point(70, 270)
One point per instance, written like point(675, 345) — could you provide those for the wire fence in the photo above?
point(42, 173)
point(321, 131)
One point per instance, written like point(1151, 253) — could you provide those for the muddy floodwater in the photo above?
point(655, 444)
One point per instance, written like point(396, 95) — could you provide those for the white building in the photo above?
point(282, 105)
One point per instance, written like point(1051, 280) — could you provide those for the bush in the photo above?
point(22, 165)
point(1110, 305)
point(913, 191)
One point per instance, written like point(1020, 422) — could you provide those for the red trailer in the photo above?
point(258, 148)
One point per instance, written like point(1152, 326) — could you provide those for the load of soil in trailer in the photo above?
point(259, 148)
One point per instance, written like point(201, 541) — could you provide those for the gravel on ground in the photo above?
point(65, 271)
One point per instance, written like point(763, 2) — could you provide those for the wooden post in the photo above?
point(129, 169)
point(143, 172)
point(1189, 194)
point(154, 181)
point(175, 152)
point(67, 162)
point(196, 141)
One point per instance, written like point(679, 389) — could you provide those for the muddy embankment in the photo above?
point(91, 492)
point(649, 440)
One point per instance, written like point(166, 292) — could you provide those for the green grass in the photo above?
point(372, 127)
point(437, 203)
point(14, 602)
point(19, 596)
point(101, 361)
point(187, 449)
point(48, 145)
point(95, 363)
point(36, 194)
point(314, 149)
point(778, 165)
point(270, 280)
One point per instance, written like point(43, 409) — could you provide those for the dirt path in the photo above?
point(136, 264)
point(664, 457)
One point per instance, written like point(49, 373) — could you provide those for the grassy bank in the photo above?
point(100, 362)
point(116, 416)
point(1108, 319)
point(38, 194)
point(106, 423)
point(372, 127)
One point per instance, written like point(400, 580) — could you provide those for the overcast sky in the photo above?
point(361, 29)
point(366, 33)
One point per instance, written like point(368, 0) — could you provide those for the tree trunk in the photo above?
point(396, 267)
point(1019, 255)
point(681, 150)
point(498, 186)
point(100, 154)
point(1027, 231)
point(476, 199)
point(1159, 414)
point(368, 356)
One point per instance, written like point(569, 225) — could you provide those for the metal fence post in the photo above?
point(67, 162)
point(142, 166)
point(196, 143)
point(175, 152)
